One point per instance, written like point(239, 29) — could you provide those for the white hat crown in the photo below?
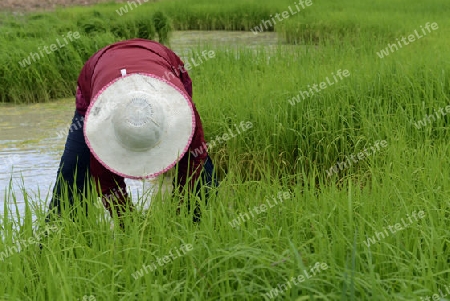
point(138, 123)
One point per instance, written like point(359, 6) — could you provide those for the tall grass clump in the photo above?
point(318, 131)
point(319, 24)
point(358, 22)
point(237, 252)
point(32, 74)
point(162, 26)
point(207, 15)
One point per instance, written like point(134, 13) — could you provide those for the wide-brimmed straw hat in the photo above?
point(139, 125)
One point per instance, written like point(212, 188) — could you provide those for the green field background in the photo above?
point(289, 148)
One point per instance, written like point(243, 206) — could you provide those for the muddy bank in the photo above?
point(41, 5)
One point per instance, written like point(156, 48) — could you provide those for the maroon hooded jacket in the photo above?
point(138, 56)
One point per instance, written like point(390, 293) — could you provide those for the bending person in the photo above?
point(134, 118)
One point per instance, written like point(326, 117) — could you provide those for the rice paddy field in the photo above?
point(339, 190)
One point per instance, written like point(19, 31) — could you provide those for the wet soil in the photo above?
point(45, 5)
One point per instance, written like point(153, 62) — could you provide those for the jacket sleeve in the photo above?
point(85, 80)
point(83, 89)
point(111, 186)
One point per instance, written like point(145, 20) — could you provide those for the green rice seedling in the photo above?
point(252, 260)
point(162, 26)
point(318, 24)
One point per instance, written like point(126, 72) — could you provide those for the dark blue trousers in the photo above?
point(73, 168)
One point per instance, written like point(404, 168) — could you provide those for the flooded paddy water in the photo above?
point(32, 137)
